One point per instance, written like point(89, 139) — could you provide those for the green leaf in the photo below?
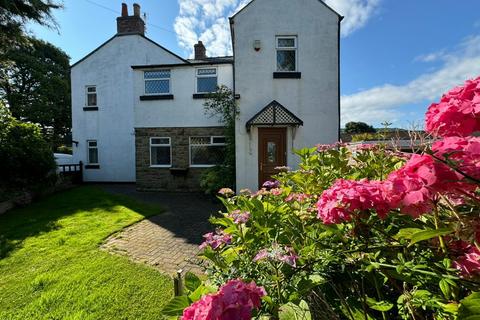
point(379, 305)
point(406, 233)
point(445, 287)
point(176, 306)
point(428, 234)
point(470, 307)
point(291, 311)
point(192, 282)
point(201, 291)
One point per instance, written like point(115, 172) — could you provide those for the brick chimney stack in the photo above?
point(200, 51)
point(130, 24)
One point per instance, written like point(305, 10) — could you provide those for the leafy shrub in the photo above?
point(358, 127)
point(25, 156)
point(365, 233)
point(214, 178)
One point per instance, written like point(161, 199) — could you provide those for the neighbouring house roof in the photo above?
point(274, 114)
point(323, 2)
point(189, 62)
point(123, 35)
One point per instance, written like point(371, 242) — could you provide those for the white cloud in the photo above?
point(356, 13)
point(385, 102)
point(207, 20)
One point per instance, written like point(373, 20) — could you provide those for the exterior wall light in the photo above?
point(256, 45)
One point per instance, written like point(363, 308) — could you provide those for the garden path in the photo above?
point(169, 241)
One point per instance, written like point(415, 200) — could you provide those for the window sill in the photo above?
point(92, 166)
point(161, 166)
point(156, 97)
point(90, 108)
point(202, 165)
point(287, 75)
point(201, 95)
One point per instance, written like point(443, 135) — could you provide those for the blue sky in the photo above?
point(397, 56)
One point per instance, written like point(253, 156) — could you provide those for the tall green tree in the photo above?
point(14, 14)
point(358, 127)
point(35, 85)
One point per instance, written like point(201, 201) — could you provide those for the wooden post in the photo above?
point(178, 283)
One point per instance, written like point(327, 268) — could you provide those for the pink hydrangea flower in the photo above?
point(276, 252)
point(239, 217)
point(227, 192)
point(457, 113)
point(300, 197)
point(465, 152)
point(235, 300)
point(413, 187)
point(469, 263)
point(346, 197)
point(215, 240)
point(276, 191)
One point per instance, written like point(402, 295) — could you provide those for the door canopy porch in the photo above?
point(274, 114)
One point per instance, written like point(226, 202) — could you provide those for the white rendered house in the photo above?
point(137, 108)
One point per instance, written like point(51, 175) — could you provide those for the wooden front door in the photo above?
point(272, 152)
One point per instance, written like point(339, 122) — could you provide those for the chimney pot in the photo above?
point(136, 10)
point(200, 51)
point(124, 10)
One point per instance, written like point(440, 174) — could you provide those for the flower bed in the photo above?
point(357, 234)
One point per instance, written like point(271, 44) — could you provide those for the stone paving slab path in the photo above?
point(169, 241)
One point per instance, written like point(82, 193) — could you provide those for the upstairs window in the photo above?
point(160, 152)
point(286, 54)
point(92, 151)
point(207, 151)
point(157, 82)
point(206, 80)
point(91, 93)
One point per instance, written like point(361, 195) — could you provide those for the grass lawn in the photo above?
point(51, 266)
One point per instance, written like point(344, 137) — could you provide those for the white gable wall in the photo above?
point(313, 98)
point(109, 68)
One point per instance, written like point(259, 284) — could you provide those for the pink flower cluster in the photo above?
point(227, 192)
point(412, 188)
point(215, 240)
point(457, 113)
point(347, 197)
point(299, 197)
point(464, 152)
point(239, 217)
point(234, 301)
point(278, 253)
point(469, 263)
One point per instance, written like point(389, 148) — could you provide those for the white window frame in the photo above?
point(197, 76)
point(294, 48)
point(87, 93)
point(88, 152)
point(160, 145)
point(190, 145)
point(154, 79)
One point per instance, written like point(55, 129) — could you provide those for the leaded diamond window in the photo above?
point(207, 151)
point(286, 54)
point(206, 80)
point(157, 82)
